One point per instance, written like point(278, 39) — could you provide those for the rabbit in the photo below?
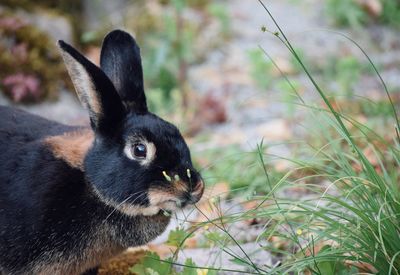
point(72, 197)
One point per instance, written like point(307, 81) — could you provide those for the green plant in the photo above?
point(169, 39)
point(346, 71)
point(168, 52)
point(289, 95)
point(377, 108)
point(235, 167)
point(346, 13)
point(152, 264)
point(361, 222)
point(349, 224)
point(31, 68)
point(219, 11)
point(357, 13)
point(350, 221)
point(260, 68)
point(391, 12)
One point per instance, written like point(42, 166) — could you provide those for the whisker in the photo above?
point(116, 207)
point(141, 193)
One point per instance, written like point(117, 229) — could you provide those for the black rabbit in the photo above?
point(72, 197)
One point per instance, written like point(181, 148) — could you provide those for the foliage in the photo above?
point(70, 8)
point(236, 167)
point(357, 213)
point(170, 41)
point(66, 6)
point(31, 67)
point(151, 265)
point(349, 222)
point(346, 71)
point(391, 12)
point(346, 12)
point(357, 13)
point(177, 237)
point(219, 12)
point(260, 68)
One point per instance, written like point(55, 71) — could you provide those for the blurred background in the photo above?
point(209, 65)
point(219, 70)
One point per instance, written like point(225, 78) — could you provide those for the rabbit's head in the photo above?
point(138, 162)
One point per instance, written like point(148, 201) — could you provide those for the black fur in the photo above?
point(113, 111)
point(120, 57)
point(55, 215)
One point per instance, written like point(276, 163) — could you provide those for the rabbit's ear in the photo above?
point(120, 60)
point(95, 90)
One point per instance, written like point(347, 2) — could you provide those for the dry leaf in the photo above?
point(207, 204)
point(93, 54)
point(120, 264)
point(275, 130)
point(284, 66)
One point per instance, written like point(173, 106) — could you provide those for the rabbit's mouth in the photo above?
point(173, 199)
point(167, 201)
point(169, 206)
point(177, 195)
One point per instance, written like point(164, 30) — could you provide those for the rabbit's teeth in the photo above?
point(178, 203)
point(168, 178)
point(188, 173)
point(167, 213)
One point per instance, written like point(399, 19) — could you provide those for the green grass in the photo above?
point(350, 13)
point(349, 222)
point(236, 167)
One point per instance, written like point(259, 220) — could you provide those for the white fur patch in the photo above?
point(127, 208)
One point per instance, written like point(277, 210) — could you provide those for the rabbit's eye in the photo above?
point(139, 150)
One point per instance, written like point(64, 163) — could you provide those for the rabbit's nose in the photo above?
point(191, 197)
point(197, 192)
point(188, 199)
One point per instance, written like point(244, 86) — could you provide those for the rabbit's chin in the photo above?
point(133, 210)
point(165, 204)
point(169, 207)
point(148, 211)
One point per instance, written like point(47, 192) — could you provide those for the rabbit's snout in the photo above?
point(193, 195)
point(191, 192)
point(196, 193)
point(192, 187)
point(181, 190)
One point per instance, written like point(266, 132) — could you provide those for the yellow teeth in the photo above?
point(168, 178)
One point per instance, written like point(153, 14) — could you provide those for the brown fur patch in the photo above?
point(180, 186)
point(122, 263)
point(72, 146)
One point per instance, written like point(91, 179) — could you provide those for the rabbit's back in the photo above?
point(15, 123)
point(24, 157)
